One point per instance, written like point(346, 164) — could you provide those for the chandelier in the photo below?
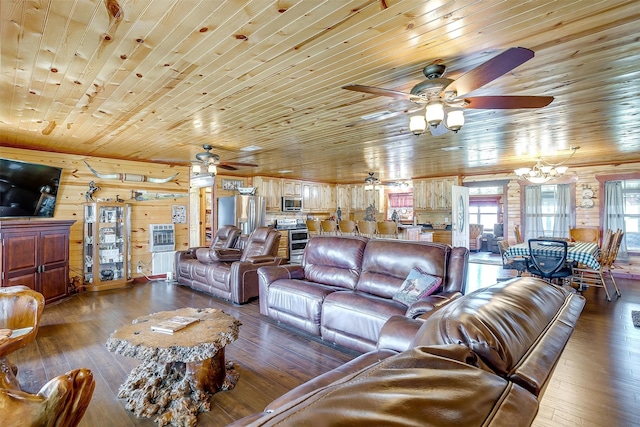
point(543, 171)
point(436, 116)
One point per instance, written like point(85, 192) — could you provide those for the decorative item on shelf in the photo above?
point(543, 170)
point(247, 191)
point(587, 197)
point(91, 191)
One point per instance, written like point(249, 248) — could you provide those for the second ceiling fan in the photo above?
point(445, 99)
point(211, 161)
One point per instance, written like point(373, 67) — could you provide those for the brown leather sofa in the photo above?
point(484, 359)
point(229, 273)
point(343, 290)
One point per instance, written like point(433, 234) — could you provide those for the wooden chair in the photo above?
point(347, 227)
point(63, 400)
point(313, 226)
point(387, 229)
point(329, 227)
point(519, 239)
point(584, 234)
point(518, 263)
point(367, 228)
point(475, 236)
point(584, 276)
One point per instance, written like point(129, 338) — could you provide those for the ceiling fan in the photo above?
point(211, 162)
point(445, 99)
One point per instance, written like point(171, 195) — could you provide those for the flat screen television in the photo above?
point(28, 189)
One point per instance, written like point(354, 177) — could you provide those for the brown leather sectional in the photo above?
point(343, 290)
point(484, 359)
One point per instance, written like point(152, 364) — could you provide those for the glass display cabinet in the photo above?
point(107, 251)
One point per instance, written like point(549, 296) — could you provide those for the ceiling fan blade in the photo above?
point(247, 165)
point(507, 102)
point(490, 70)
point(227, 167)
point(378, 91)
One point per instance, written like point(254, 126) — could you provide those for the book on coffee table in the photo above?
point(173, 324)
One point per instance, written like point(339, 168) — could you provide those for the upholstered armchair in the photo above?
point(475, 236)
point(62, 401)
point(231, 273)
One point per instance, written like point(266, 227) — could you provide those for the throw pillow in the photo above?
point(417, 285)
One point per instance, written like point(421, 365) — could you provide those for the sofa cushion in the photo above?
point(334, 261)
point(418, 284)
point(420, 387)
point(387, 263)
point(354, 319)
point(517, 327)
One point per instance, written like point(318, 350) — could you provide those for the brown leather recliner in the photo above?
point(231, 273)
point(226, 237)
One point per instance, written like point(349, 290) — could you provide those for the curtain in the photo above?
point(614, 213)
point(532, 212)
point(400, 200)
point(562, 217)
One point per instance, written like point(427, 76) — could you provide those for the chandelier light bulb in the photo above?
point(197, 169)
point(212, 169)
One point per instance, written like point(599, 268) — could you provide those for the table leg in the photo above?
point(176, 391)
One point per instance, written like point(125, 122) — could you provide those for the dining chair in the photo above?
point(584, 234)
point(387, 229)
point(585, 276)
point(329, 227)
point(313, 227)
point(518, 263)
point(518, 233)
point(548, 259)
point(367, 228)
point(346, 226)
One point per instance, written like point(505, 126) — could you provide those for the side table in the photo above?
point(180, 371)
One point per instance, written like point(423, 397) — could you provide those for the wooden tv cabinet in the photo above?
point(35, 253)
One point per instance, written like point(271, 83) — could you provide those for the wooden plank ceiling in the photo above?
point(261, 81)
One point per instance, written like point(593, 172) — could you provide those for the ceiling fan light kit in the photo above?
point(445, 98)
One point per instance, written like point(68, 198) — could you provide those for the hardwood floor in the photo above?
point(596, 383)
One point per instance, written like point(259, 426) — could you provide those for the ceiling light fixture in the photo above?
point(371, 181)
point(437, 117)
point(543, 171)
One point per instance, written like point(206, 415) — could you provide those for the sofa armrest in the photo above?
point(287, 271)
point(263, 259)
point(397, 333)
point(431, 303)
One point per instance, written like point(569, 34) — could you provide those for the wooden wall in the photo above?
point(75, 182)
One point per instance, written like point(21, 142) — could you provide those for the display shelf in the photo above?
point(107, 252)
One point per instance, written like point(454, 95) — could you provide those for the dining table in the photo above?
point(586, 253)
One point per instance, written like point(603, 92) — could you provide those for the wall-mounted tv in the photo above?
point(28, 189)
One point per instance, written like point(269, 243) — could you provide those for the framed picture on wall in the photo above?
point(231, 184)
point(179, 214)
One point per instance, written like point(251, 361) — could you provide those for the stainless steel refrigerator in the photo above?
point(245, 212)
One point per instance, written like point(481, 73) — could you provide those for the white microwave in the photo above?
point(291, 204)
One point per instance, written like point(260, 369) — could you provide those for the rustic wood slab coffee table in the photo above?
point(180, 371)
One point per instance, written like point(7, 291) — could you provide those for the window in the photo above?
point(631, 196)
point(485, 212)
point(402, 205)
point(547, 210)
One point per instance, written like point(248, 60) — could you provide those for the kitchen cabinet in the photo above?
point(433, 193)
point(271, 189)
point(107, 240)
point(35, 253)
point(291, 188)
point(442, 236)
